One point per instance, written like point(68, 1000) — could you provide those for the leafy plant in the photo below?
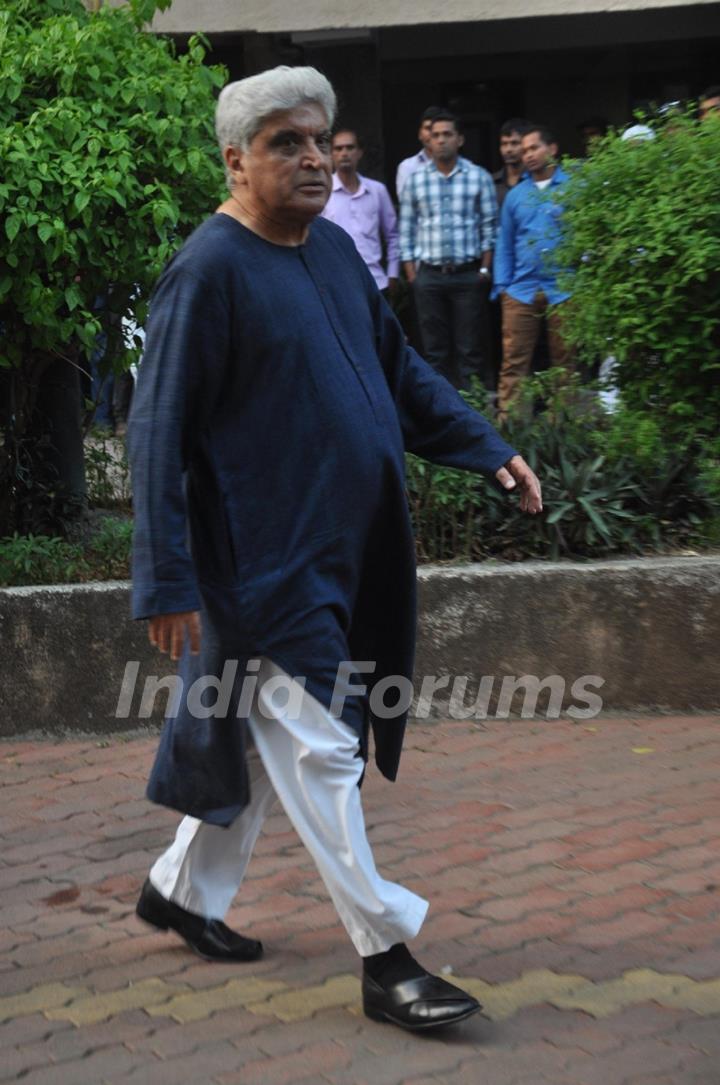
point(49, 559)
point(107, 471)
point(607, 489)
point(109, 549)
point(39, 559)
point(642, 237)
point(109, 161)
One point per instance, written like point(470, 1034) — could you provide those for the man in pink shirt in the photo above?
point(364, 210)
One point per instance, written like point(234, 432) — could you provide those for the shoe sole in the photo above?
point(387, 1019)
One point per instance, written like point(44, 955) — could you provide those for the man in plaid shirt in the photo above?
point(448, 219)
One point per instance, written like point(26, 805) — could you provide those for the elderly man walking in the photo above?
point(275, 402)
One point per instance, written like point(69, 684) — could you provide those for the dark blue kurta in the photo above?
point(274, 404)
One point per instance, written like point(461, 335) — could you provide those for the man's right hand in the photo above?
point(410, 270)
point(167, 632)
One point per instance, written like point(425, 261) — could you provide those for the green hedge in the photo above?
point(642, 242)
point(109, 160)
point(49, 559)
point(611, 485)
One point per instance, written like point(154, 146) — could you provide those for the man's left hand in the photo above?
point(517, 475)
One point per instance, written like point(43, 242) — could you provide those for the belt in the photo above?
point(451, 269)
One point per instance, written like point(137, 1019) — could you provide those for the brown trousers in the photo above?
point(520, 332)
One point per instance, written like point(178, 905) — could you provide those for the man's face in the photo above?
point(445, 141)
point(284, 177)
point(590, 134)
point(424, 134)
point(708, 106)
point(511, 149)
point(536, 154)
point(346, 153)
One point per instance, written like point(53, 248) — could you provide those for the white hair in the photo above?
point(244, 106)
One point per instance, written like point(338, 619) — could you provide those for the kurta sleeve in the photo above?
point(179, 381)
point(436, 421)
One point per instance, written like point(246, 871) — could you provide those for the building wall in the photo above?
point(280, 16)
point(556, 69)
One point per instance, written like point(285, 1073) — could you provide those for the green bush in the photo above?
point(107, 471)
point(109, 550)
point(610, 487)
point(49, 559)
point(109, 161)
point(642, 240)
point(39, 559)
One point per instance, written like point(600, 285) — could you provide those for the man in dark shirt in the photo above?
point(274, 405)
point(511, 134)
point(591, 130)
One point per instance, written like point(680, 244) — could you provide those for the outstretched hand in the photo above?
point(167, 632)
point(517, 475)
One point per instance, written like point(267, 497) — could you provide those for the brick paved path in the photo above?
point(574, 877)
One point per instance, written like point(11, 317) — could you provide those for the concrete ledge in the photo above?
point(650, 628)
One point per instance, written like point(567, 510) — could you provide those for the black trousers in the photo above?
point(454, 324)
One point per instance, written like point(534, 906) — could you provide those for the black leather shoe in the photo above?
point(426, 1001)
point(209, 938)
point(422, 1003)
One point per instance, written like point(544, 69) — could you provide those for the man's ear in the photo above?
point(234, 159)
point(554, 150)
point(461, 141)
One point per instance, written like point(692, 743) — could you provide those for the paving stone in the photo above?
point(108, 1064)
point(314, 1059)
point(203, 1065)
point(622, 928)
point(38, 999)
point(573, 891)
point(195, 1005)
point(88, 1008)
point(31, 1029)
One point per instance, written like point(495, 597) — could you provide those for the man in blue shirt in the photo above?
point(525, 274)
point(448, 218)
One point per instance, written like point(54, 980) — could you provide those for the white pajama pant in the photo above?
point(308, 759)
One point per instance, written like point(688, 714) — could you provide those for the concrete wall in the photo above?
point(281, 16)
point(650, 629)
